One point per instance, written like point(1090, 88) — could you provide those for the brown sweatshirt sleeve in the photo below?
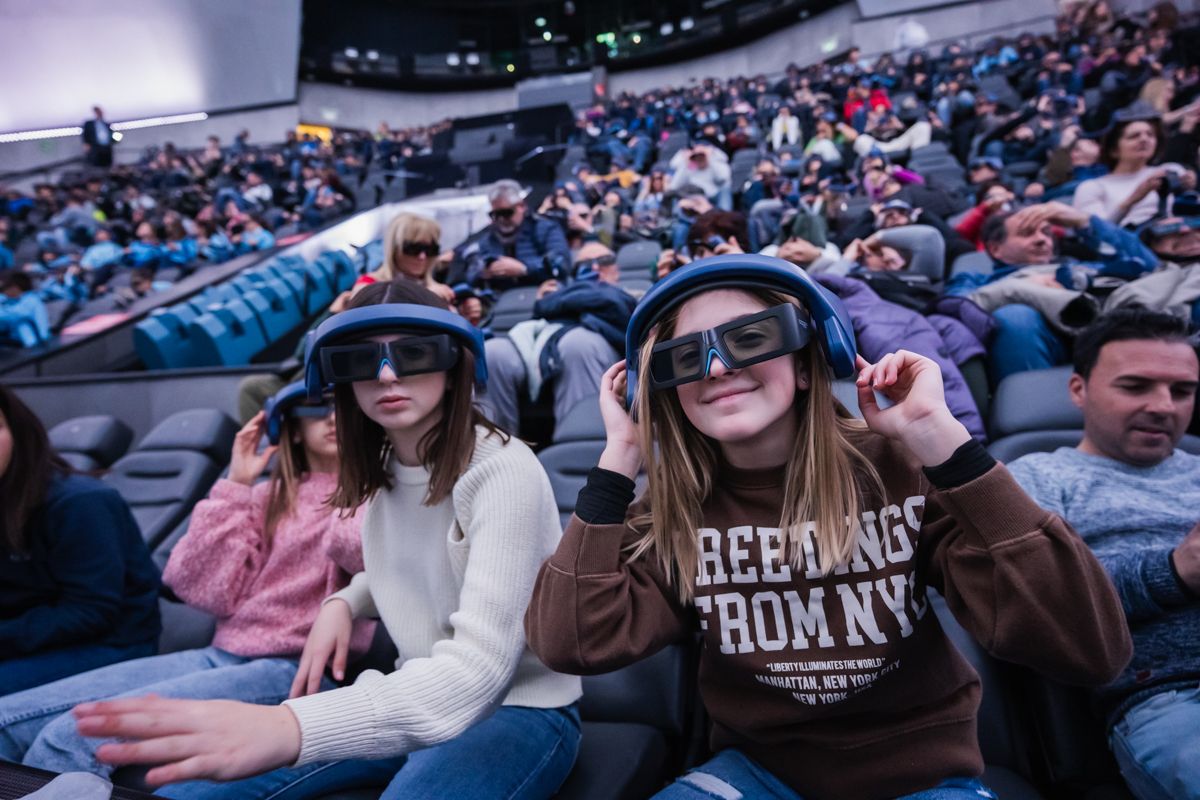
point(593, 611)
point(1022, 581)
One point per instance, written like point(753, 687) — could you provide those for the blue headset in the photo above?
point(280, 404)
point(830, 321)
point(357, 322)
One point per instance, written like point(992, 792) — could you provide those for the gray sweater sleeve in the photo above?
point(1145, 581)
point(1143, 576)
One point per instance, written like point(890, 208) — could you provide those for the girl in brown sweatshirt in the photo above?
point(801, 542)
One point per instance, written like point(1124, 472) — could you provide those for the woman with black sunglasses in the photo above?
point(412, 249)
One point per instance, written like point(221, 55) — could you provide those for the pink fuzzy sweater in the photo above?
point(265, 596)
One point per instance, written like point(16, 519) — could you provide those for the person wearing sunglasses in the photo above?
point(518, 248)
point(575, 333)
point(411, 250)
point(798, 543)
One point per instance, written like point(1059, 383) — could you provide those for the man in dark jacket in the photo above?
point(98, 139)
point(518, 249)
point(577, 332)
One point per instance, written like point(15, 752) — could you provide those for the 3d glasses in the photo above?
point(292, 401)
point(741, 342)
point(432, 340)
point(827, 322)
point(408, 355)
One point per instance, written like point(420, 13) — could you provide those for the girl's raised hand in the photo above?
point(918, 416)
point(192, 739)
point(247, 464)
point(623, 448)
point(328, 637)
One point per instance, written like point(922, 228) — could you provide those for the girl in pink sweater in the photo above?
point(260, 557)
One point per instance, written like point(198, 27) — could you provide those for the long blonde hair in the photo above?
point(407, 227)
point(825, 479)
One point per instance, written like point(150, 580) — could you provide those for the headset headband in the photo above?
point(831, 323)
point(282, 402)
point(359, 322)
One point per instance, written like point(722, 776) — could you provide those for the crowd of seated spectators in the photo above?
point(1062, 166)
point(121, 232)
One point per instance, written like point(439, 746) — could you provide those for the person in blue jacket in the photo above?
point(518, 249)
point(77, 587)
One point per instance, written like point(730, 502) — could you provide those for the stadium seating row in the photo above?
point(233, 322)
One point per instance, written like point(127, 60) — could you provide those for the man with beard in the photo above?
point(1133, 497)
point(518, 248)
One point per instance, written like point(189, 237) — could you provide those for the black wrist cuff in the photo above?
point(970, 461)
point(605, 497)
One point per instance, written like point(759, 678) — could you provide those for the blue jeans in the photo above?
point(37, 729)
point(516, 754)
point(19, 674)
point(1157, 746)
point(730, 775)
point(1023, 341)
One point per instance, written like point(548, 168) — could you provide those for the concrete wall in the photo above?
point(354, 107)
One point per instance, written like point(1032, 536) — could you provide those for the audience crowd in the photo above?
point(1025, 204)
point(100, 239)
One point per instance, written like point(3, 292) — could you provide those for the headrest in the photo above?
point(831, 323)
point(388, 317)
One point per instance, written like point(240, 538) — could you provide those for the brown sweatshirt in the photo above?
point(845, 686)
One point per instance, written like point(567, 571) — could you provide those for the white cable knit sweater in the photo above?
point(450, 583)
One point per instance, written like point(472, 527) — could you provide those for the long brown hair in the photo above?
point(32, 466)
point(826, 479)
point(446, 450)
point(291, 463)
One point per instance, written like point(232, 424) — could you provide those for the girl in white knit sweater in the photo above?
point(459, 518)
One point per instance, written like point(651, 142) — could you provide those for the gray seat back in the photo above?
point(201, 430)
point(91, 442)
point(161, 487)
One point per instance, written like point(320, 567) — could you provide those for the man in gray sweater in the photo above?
point(1135, 499)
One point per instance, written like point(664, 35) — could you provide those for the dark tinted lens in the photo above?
point(754, 339)
point(316, 412)
point(677, 363)
point(501, 213)
point(413, 355)
point(417, 248)
point(354, 363)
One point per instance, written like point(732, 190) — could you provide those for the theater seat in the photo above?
point(203, 430)
point(341, 268)
point(978, 262)
point(161, 487)
point(567, 464)
point(183, 627)
point(513, 306)
point(172, 468)
point(581, 423)
point(163, 340)
point(639, 258)
point(318, 290)
point(638, 726)
point(1002, 737)
point(91, 443)
point(276, 315)
point(925, 245)
point(228, 335)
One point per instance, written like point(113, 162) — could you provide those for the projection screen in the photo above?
point(143, 58)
